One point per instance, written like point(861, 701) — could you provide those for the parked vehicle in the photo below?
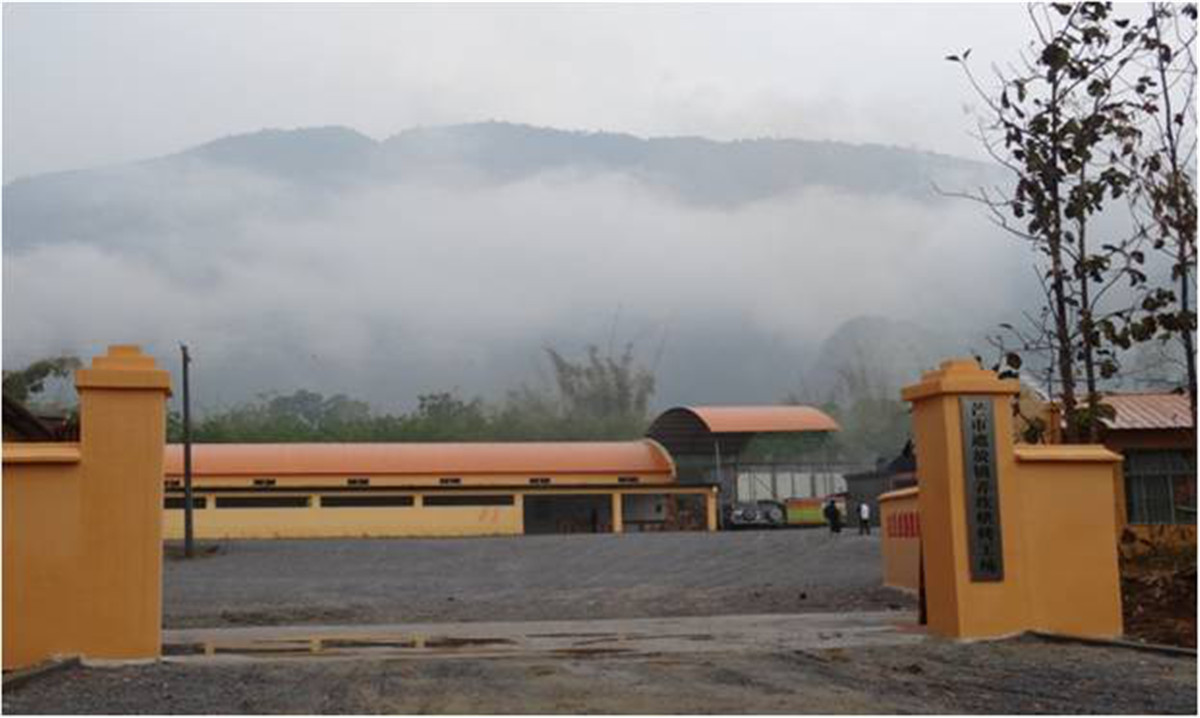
point(756, 514)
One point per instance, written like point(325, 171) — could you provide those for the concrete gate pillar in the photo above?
point(122, 402)
point(956, 605)
point(1012, 538)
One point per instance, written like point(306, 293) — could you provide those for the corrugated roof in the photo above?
point(1149, 411)
point(444, 459)
point(736, 419)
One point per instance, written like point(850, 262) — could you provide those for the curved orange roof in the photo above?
point(444, 459)
point(738, 419)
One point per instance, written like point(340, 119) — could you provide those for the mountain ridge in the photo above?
point(298, 169)
point(215, 148)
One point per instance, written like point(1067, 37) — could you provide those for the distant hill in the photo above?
point(293, 171)
point(877, 355)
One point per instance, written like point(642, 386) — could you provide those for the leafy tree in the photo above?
point(607, 395)
point(1166, 193)
point(865, 402)
point(22, 384)
point(597, 398)
point(529, 414)
point(445, 417)
point(300, 416)
point(1054, 124)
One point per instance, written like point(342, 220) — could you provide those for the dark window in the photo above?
point(449, 480)
point(176, 502)
point(264, 482)
point(173, 483)
point(1160, 487)
point(490, 500)
point(540, 480)
point(358, 481)
point(627, 479)
point(365, 501)
point(262, 502)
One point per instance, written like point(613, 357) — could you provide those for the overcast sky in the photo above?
point(88, 85)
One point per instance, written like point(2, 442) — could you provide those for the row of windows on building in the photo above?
point(303, 502)
point(359, 481)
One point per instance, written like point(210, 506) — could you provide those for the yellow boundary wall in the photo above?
point(900, 526)
point(82, 523)
point(1056, 511)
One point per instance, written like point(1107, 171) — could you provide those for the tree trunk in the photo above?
point(1085, 326)
point(1189, 344)
point(1066, 359)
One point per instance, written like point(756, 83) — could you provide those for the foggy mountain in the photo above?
point(106, 205)
point(447, 257)
point(849, 359)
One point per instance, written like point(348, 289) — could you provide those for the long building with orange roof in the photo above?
point(468, 489)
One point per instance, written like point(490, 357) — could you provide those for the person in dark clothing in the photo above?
point(834, 517)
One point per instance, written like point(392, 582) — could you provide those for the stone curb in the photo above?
point(1177, 651)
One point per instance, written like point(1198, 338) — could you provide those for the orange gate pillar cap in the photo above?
point(959, 376)
point(124, 367)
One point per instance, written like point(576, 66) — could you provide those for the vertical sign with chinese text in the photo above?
point(984, 546)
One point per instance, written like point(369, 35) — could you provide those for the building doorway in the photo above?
point(568, 513)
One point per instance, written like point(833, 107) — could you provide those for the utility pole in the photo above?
point(187, 458)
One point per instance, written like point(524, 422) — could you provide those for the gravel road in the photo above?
point(1024, 675)
point(286, 582)
point(703, 668)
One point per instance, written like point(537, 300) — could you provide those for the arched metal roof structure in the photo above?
point(693, 430)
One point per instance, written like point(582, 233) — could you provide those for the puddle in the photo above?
point(459, 642)
point(261, 650)
point(334, 643)
point(409, 644)
point(588, 651)
point(572, 635)
point(327, 645)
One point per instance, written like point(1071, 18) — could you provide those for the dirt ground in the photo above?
point(523, 578)
point(309, 585)
point(1024, 675)
point(1159, 599)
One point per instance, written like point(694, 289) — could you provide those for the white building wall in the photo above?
point(789, 483)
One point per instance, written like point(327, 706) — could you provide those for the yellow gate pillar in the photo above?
point(122, 400)
point(990, 602)
point(1012, 538)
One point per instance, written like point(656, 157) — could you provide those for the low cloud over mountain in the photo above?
point(447, 257)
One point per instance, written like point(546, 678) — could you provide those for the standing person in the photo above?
point(864, 519)
point(830, 512)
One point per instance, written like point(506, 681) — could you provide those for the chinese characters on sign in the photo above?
point(983, 501)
